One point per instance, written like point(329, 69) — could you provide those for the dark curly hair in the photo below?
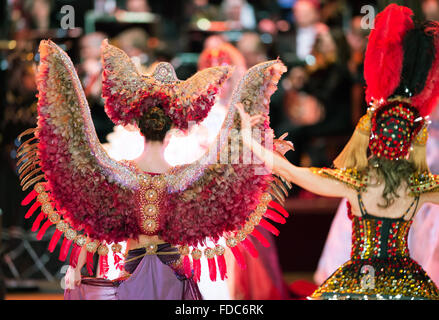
point(155, 124)
point(393, 173)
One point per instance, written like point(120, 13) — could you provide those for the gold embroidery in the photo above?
point(352, 177)
point(424, 182)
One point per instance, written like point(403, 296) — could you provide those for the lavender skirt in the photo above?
point(152, 278)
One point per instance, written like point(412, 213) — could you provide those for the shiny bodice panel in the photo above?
point(374, 237)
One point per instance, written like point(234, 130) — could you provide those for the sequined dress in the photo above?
point(380, 266)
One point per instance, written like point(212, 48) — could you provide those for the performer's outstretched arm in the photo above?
point(303, 177)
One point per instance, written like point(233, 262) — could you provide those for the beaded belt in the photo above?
point(151, 249)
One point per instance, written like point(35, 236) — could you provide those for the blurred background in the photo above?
point(319, 100)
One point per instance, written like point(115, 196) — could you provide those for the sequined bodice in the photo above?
point(150, 197)
point(374, 237)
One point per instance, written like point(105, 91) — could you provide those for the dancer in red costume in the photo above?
point(163, 213)
point(386, 190)
point(423, 238)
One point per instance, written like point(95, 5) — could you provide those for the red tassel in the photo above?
point(74, 255)
point(54, 240)
point(238, 256)
point(267, 225)
point(187, 266)
point(197, 269)
point(246, 243)
point(36, 224)
point(276, 217)
point(222, 267)
point(32, 209)
point(279, 208)
point(43, 229)
point(118, 261)
point(260, 238)
point(30, 196)
point(212, 268)
point(64, 249)
point(103, 266)
point(90, 262)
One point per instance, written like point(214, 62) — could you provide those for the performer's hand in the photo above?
point(72, 278)
point(281, 145)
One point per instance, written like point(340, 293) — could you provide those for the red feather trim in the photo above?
point(37, 222)
point(222, 267)
point(64, 249)
point(103, 266)
point(43, 229)
point(267, 225)
point(427, 99)
point(384, 53)
point(90, 262)
point(118, 260)
point(238, 256)
point(273, 215)
point(276, 206)
point(74, 255)
point(32, 209)
point(54, 240)
point(187, 266)
point(197, 269)
point(260, 238)
point(30, 196)
point(212, 268)
point(246, 243)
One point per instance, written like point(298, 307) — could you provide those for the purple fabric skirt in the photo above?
point(152, 278)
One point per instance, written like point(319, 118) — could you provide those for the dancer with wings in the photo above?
point(95, 202)
point(387, 189)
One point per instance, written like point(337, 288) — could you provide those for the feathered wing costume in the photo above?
point(96, 202)
point(401, 71)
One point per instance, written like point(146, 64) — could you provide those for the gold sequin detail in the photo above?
point(364, 124)
point(352, 177)
point(150, 195)
point(379, 254)
point(423, 182)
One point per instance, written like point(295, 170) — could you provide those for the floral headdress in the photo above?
point(401, 69)
point(128, 94)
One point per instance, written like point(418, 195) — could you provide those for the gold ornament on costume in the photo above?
point(363, 124)
point(102, 250)
point(151, 193)
point(422, 137)
point(196, 254)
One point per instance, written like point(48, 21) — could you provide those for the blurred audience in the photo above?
point(294, 45)
point(357, 40)
point(90, 74)
point(239, 14)
point(252, 48)
point(317, 100)
point(430, 8)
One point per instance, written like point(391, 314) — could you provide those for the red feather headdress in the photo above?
point(128, 94)
point(398, 53)
point(401, 70)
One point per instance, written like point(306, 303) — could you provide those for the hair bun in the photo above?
point(155, 123)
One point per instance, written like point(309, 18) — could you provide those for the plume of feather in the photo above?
point(384, 55)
